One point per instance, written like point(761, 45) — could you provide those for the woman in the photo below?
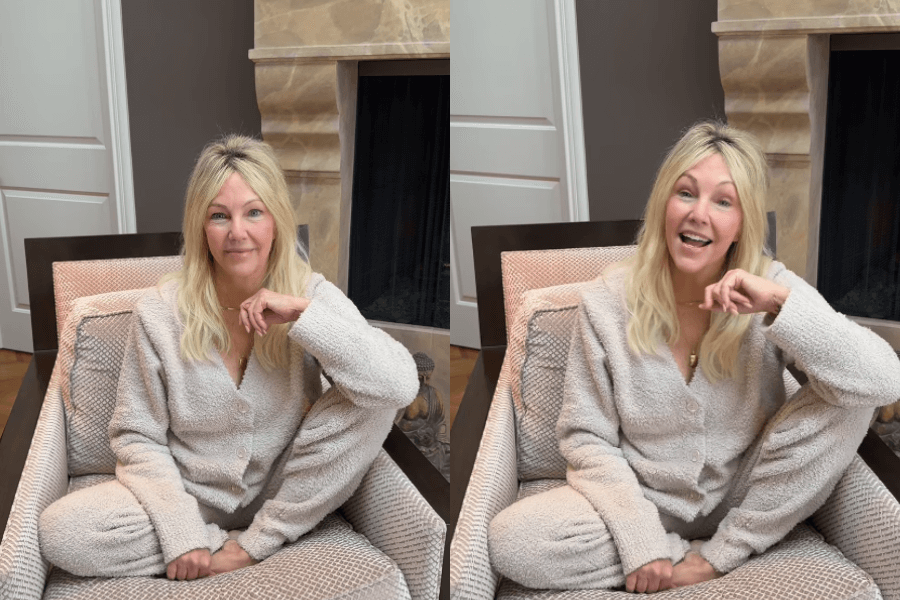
point(223, 419)
point(679, 466)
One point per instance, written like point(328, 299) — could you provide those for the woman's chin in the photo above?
point(697, 267)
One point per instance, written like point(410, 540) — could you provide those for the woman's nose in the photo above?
point(237, 229)
point(700, 212)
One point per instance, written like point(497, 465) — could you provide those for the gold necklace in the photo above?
point(243, 358)
point(694, 356)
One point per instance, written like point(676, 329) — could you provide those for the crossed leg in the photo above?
point(103, 531)
point(556, 540)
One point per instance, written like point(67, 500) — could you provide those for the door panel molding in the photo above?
point(573, 121)
point(120, 133)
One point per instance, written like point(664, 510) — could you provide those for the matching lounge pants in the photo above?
point(102, 530)
point(556, 540)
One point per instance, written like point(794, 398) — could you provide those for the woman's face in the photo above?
point(239, 231)
point(703, 218)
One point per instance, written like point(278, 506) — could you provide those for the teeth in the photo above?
point(694, 238)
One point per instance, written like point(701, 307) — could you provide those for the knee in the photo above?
point(61, 534)
point(809, 426)
point(549, 548)
point(515, 548)
point(92, 534)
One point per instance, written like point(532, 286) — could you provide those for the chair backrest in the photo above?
point(541, 294)
point(77, 279)
point(94, 303)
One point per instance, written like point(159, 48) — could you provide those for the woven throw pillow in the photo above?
point(90, 355)
point(548, 315)
point(331, 561)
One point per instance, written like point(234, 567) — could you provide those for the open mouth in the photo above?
point(693, 240)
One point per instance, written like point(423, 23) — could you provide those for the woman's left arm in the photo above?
point(326, 462)
point(371, 368)
point(847, 364)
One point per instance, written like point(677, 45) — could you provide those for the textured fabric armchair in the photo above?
point(385, 542)
point(848, 549)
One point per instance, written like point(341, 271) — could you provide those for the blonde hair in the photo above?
point(287, 271)
point(650, 296)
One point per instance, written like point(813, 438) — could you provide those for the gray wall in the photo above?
point(189, 81)
point(649, 69)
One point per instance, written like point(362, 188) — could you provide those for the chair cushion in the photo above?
point(800, 567)
point(92, 343)
point(336, 562)
point(546, 318)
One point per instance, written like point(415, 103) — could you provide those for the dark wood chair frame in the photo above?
point(488, 243)
point(16, 439)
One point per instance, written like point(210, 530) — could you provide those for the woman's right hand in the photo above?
point(652, 577)
point(190, 565)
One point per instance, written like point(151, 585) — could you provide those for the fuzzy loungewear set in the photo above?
point(655, 462)
point(198, 455)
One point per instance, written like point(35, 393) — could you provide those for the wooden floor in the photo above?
point(12, 369)
point(14, 364)
point(462, 361)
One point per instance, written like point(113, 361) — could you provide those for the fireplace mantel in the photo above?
point(773, 61)
point(306, 58)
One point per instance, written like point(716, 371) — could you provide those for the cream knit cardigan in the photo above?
point(638, 439)
point(183, 432)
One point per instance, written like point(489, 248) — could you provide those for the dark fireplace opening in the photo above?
point(859, 236)
point(399, 269)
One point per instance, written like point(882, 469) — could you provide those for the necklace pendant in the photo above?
point(692, 360)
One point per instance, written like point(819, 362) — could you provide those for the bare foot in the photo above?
point(230, 558)
point(693, 569)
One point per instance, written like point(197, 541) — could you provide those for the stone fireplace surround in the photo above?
point(307, 55)
point(773, 61)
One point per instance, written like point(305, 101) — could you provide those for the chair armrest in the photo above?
point(492, 487)
point(389, 510)
point(862, 518)
point(23, 571)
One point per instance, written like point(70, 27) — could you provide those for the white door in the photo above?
point(516, 145)
point(65, 158)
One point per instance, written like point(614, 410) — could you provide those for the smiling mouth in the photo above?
point(694, 241)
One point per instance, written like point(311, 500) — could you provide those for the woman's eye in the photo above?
point(685, 194)
point(724, 203)
point(255, 213)
point(217, 217)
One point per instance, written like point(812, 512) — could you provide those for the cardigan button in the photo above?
point(242, 453)
point(695, 456)
point(693, 406)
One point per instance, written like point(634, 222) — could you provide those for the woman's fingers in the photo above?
point(266, 308)
point(650, 578)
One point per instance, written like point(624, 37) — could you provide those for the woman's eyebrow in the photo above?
point(211, 204)
point(694, 179)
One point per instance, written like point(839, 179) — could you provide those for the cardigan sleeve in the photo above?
point(849, 367)
point(374, 376)
point(138, 433)
point(847, 364)
point(372, 369)
point(333, 450)
point(588, 432)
